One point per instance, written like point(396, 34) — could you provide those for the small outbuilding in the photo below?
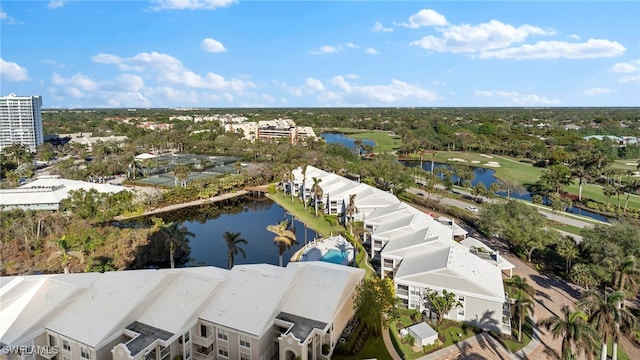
point(423, 334)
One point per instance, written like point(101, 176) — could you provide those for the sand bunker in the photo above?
point(457, 160)
point(475, 162)
point(493, 164)
point(487, 156)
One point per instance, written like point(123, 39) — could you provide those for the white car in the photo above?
point(472, 208)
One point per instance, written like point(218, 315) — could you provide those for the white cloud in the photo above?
point(314, 85)
point(592, 48)
point(515, 98)
point(377, 27)
point(190, 4)
point(596, 91)
point(330, 49)
point(165, 68)
point(10, 71)
point(340, 82)
point(425, 17)
point(6, 19)
point(630, 79)
point(55, 4)
point(81, 85)
point(467, 38)
point(212, 45)
point(574, 37)
point(325, 49)
point(626, 67)
point(352, 76)
point(372, 51)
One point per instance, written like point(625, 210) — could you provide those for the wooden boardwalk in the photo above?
point(187, 204)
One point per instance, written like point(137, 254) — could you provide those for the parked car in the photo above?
point(472, 208)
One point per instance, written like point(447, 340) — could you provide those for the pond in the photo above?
point(340, 138)
point(248, 217)
point(486, 176)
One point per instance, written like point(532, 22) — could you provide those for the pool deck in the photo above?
point(315, 250)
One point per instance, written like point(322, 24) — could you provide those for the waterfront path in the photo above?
point(199, 202)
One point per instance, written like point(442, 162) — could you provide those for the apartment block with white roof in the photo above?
point(419, 252)
point(255, 312)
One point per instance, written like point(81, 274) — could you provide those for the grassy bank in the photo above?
point(307, 216)
point(523, 172)
point(385, 141)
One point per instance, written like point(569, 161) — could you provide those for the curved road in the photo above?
point(564, 218)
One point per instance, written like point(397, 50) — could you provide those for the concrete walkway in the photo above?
point(389, 345)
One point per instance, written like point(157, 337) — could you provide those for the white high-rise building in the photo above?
point(21, 121)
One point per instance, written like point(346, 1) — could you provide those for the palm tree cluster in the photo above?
point(599, 318)
point(521, 294)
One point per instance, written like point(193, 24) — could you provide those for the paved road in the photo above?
point(563, 218)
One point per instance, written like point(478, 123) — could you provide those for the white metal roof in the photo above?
point(249, 300)
point(182, 298)
point(453, 268)
point(107, 306)
point(27, 302)
point(319, 288)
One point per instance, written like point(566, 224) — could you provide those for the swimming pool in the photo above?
point(334, 256)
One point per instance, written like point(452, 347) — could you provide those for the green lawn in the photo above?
point(373, 349)
point(568, 228)
point(622, 355)
point(525, 173)
point(385, 141)
point(512, 344)
point(319, 224)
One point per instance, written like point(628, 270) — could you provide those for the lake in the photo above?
point(486, 176)
point(340, 138)
point(248, 217)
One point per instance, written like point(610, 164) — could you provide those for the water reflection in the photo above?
point(486, 176)
point(248, 217)
point(340, 138)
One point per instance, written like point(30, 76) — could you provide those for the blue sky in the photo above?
point(226, 53)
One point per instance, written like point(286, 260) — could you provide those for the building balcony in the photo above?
point(200, 356)
point(202, 341)
point(402, 292)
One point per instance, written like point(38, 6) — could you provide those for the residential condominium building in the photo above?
point(21, 121)
point(419, 252)
point(251, 312)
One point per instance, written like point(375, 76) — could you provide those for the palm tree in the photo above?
point(626, 279)
point(521, 306)
point(284, 238)
point(577, 334)
point(518, 284)
point(607, 317)
point(181, 173)
point(568, 250)
point(66, 254)
point(176, 237)
point(316, 189)
point(233, 241)
point(511, 186)
point(304, 184)
point(351, 210)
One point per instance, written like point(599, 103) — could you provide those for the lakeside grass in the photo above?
point(385, 141)
point(318, 224)
point(522, 171)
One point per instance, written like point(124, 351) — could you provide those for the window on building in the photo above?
point(461, 307)
point(53, 341)
point(204, 331)
point(65, 345)
point(245, 341)
point(244, 356)
point(186, 337)
point(223, 334)
point(388, 263)
point(223, 351)
point(84, 353)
